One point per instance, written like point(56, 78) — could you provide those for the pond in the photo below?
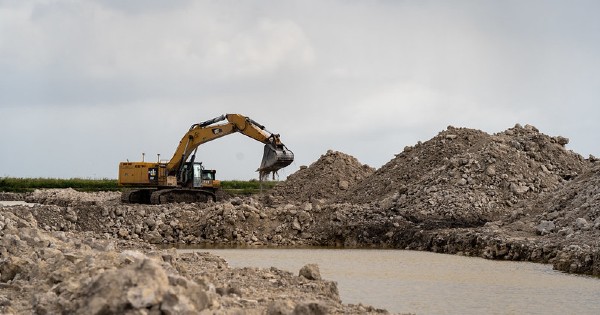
point(429, 283)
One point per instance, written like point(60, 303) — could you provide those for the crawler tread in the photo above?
point(181, 195)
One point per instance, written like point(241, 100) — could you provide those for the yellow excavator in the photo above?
point(182, 179)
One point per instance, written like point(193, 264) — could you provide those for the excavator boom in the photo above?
point(276, 155)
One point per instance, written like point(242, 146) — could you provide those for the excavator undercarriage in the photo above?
point(157, 196)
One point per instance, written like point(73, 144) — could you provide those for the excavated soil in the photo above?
point(82, 273)
point(330, 176)
point(468, 177)
point(515, 195)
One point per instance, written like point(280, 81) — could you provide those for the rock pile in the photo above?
point(10, 196)
point(574, 207)
point(331, 175)
point(569, 219)
point(465, 177)
point(236, 221)
point(69, 196)
point(67, 273)
point(77, 273)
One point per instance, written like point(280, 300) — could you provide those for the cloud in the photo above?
point(267, 47)
point(56, 49)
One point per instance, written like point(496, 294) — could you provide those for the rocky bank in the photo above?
point(63, 272)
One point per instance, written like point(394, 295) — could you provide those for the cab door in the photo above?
point(197, 183)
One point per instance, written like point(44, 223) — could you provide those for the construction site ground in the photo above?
point(516, 195)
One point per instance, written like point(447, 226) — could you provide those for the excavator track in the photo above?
point(137, 195)
point(181, 195)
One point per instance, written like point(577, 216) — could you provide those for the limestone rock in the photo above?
point(311, 272)
point(310, 308)
point(581, 223)
point(343, 184)
point(545, 227)
point(280, 308)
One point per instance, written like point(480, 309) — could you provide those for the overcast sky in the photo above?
point(87, 84)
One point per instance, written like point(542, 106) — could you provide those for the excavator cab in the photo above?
point(194, 175)
point(208, 179)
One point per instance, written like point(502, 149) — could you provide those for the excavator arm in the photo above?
point(275, 157)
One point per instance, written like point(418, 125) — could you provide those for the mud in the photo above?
point(515, 195)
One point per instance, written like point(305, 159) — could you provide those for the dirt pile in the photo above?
point(77, 273)
point(330, 176)
point(570, 219)
point(464, 177)
point(69, 196)
point(11, 196)
point(238, 221)
point(575, 206)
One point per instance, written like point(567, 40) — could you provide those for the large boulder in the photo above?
point(311, 272)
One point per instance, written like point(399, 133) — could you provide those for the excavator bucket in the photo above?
point(275, 157)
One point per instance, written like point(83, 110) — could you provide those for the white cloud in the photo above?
point(266, 47)
point(99, 42)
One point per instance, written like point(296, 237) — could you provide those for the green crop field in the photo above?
point(246, 187)
point(12, 184)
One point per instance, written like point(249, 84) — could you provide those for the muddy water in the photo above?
point(428, 283)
